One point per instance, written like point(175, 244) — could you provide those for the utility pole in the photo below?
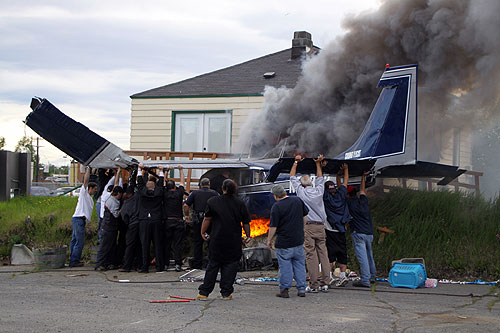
point(37, 159)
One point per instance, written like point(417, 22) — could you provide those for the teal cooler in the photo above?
point(407, 275)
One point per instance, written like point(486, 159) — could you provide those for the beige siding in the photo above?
point(151, 121)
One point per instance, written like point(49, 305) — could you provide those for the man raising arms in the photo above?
point(83, 212)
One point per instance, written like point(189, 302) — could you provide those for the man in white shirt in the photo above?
point(314, 230)
point(83, 212)
point(114, 181)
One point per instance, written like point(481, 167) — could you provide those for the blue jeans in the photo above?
point(362, 244)
point(99, 220)
point(292, 262)
point(77, 239)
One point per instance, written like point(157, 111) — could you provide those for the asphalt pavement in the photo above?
point(82, 300)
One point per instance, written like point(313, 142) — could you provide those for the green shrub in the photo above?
point(38, 222)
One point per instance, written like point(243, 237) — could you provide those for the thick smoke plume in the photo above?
point(454, 42)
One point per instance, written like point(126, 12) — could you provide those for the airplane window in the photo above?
point(258, 176)
point(245, 177)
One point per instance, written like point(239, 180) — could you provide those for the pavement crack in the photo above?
point(395, 311)
point(202, 313)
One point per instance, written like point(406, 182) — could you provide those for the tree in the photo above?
point(24, 146)
point(2, 142)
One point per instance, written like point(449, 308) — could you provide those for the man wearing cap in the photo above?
point(362, 234)
point(288, 216)
point(198, 200)
point(338, 216)
point(314, 230)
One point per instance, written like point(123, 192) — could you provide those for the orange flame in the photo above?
point(259, 227)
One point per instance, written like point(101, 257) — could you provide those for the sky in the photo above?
point(89, 57)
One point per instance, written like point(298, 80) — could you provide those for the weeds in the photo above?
point(37, 222)
point(455, 233)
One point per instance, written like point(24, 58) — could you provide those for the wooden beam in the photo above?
point(190, 172)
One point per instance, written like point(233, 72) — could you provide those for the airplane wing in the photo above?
point(308, 166)
point(422, 169)
point(73, 138)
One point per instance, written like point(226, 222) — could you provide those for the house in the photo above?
point(206, 113)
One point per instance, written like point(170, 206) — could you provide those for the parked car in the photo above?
point(61, 190)
point(39, 191)
point(61, 180)
point(57, 179)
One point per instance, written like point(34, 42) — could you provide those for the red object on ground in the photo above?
point(172, 301)
point(178, 297)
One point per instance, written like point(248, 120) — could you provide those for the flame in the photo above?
point(259, 226)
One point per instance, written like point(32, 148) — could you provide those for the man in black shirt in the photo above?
point(362, 233)
point(109, 230)
point(287, 222)
point(224, 214)
point(198, 200)
point(129, 214)
point(173, 196)
point(150, 226)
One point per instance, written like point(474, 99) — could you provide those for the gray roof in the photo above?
point(245, 79)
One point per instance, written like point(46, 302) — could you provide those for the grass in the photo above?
point(455, 233)
point(38, 222)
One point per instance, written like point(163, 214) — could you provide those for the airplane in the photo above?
point(387, 146)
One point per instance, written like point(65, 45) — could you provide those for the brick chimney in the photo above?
point(301, 43)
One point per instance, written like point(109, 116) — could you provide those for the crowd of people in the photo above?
point(149, 209)
point(310, 230)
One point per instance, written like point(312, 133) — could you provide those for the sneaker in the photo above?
point(201, 297)
point(360, 285)
point(178, 268)
point(311, 290)
point(332, 280)
point(228, 297)
point(283, 294)
point(101, 269)
point(342, 282)
point(301, 294)
point(112, 267)
point(324, 288)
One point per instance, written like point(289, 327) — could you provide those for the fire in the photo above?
point(259, 227)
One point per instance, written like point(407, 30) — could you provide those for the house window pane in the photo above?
point(188, 139)
point(217, 134)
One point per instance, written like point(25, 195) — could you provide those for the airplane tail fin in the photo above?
point(391, 131)
point(390, 135)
